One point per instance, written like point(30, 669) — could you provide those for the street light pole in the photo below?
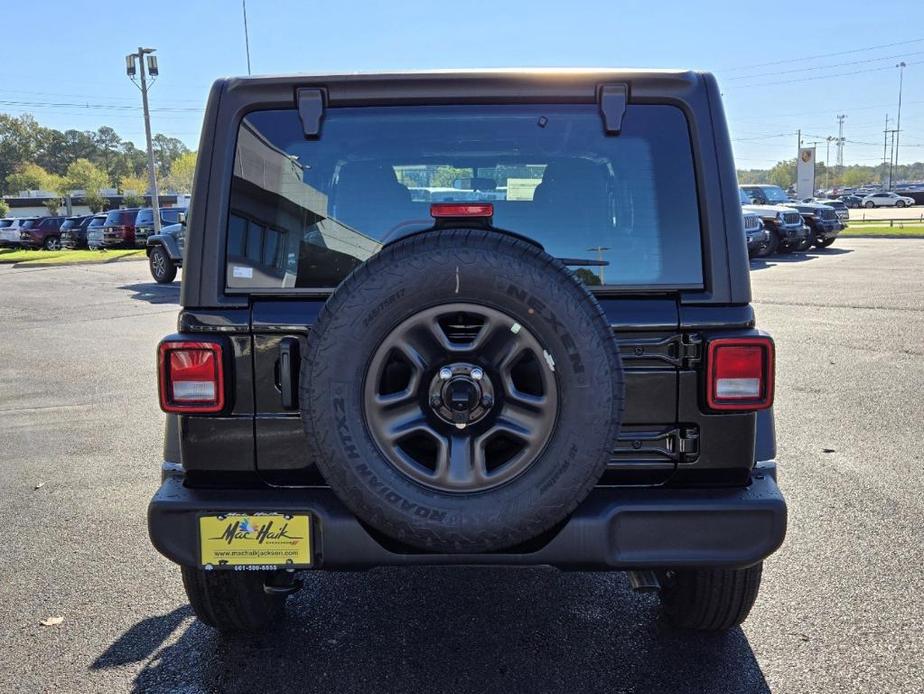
point(153, 70)
point(898, 118)
point(246, 35)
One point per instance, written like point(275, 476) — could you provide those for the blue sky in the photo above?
point(775, 61)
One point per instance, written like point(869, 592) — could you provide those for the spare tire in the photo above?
point(462, 391)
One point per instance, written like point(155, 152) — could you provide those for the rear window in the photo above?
point(97, 222)
point(619, 210)
point(30, 224)
point(120, 217)
point(70, 223)
point(144, 216)
point(5, 223)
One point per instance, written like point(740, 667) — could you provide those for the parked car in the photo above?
point(887, 199)
point(41, 232)
point(453, 396)
point(95, 231)
point(74, 231)
point(144, 221)
point(785, 227)
point(756, 234)
point(821, 220)
point(839, 207)
point(9, 231)
point(119, 228)
point(165, 251)
point(852, 201)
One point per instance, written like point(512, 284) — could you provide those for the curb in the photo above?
point(32, 263)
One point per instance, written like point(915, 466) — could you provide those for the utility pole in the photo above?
point(154, 72)
point(893, 132)
point(828, 161)
point(898, 120)
point(840, 144)
point(885, 143)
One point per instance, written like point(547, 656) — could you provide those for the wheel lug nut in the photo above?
point(477, 373)
point(445, 373)
point(487, 401)
point(436, 400)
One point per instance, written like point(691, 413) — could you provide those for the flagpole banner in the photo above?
point(805, 173)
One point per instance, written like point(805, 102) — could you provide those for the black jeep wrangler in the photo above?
point(467, 318)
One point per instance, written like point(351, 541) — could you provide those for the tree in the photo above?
point(180, 179)
point(86, 176)
point(4, 208)
point(27, 177)
point(166, 151)
point(783, 174)
point(19, 137)
point(133, 189)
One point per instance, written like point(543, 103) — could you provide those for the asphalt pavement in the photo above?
point(840, 609)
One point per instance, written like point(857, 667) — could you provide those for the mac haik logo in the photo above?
point(246, 529)
point(806, 155)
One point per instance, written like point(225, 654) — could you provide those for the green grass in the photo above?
point(66, 257)
point(907, 231)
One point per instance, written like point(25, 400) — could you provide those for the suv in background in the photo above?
point(144, 221)
point(41, 232)
point(887, 199)
point(785, 226)
point(119, 228)
point(74, 231)
point(165, 251)
point(758, 237)
point(95, 231)
point(9, 231)
point(821, 221)
point(360, 378)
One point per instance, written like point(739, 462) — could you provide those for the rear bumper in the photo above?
point(614, 529)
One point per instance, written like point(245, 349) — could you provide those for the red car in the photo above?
point(119, 228)
point(41, 232)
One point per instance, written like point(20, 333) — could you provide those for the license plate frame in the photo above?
point(259, 541)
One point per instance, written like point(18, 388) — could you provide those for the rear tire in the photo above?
point(709, 599)
point(232, 601)
point(869, 205)
point(162, 268)
point(52, 243)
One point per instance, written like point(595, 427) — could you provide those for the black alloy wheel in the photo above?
point(456, 398)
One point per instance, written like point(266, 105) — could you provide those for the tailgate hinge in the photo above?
point(311, 110)
point(690, 350)
point(680, 445)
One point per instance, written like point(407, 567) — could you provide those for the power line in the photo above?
point(825, 67)
point(817, 77)
point(824, 55)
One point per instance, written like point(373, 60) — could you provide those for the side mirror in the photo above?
point(181, 218)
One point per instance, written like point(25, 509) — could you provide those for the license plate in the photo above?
point(255, 541)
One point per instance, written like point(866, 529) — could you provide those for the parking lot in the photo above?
point(840, 609)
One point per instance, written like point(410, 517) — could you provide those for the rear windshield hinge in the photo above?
point(310, 110)
point(691, 350)
point(613, 99)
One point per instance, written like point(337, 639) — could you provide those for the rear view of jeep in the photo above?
point(467, 318)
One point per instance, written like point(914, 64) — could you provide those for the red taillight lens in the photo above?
point(191, 377)
point(739, 373)
point(456, 209)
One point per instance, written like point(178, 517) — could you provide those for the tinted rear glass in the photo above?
point(6, 223)
point(120, 217)
point(97, 221)
point(623, 210)
point(30, 223)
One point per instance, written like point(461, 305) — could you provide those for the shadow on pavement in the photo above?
point(786, 258)
point(154, 293)
point(437, 629)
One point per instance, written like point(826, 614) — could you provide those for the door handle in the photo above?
point(289, 365)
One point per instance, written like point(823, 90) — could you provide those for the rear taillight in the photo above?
point(191, 377)
point(739, 373)
point(456, 209)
